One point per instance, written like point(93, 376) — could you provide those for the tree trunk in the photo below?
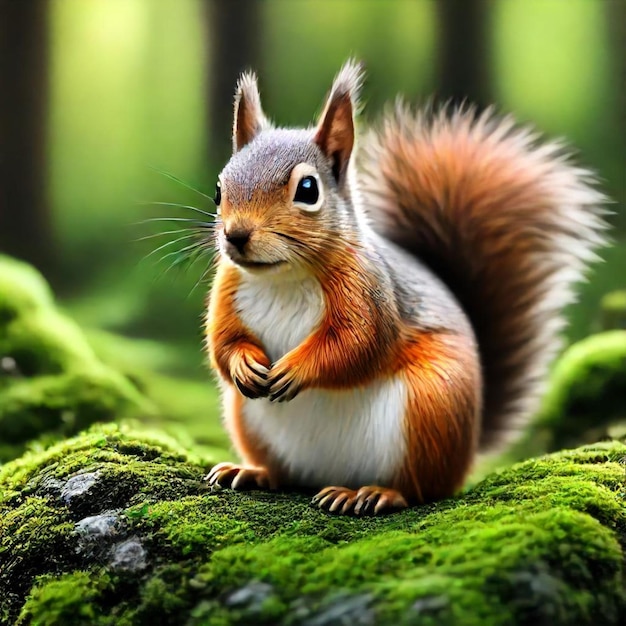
point(234, 38)
point(464, 36)
point(25, 230)
point(616, 15)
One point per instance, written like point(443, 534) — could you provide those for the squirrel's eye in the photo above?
point(307, 191)
point(218, 194)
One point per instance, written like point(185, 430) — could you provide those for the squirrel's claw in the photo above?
point(283, 385)
point(238, 476)
point(369, 500)
point(250, 378)
point(250, 391)
point(285, 393)
point(260, 370)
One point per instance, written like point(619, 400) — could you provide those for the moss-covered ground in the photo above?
point(116, 527)
point(52, 383)
point(111, 528)
point(56, 379)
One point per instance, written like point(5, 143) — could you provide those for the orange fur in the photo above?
point(442, 424)
point(507, 223)
point(227, 338)
point(354, 343)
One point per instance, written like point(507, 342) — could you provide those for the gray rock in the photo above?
point(98, 526)
point(78, 485)
point(251, 596)
point(345, 610)
point(48, 485)
point(128, 555)
point(96, 532)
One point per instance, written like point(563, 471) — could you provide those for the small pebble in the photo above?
point(78, 485)
point(129, 555)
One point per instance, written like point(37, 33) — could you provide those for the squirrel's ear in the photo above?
point(249, 118)
point(335, 131)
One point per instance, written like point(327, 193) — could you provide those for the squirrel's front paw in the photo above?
point(250, 377)
point(283, 383)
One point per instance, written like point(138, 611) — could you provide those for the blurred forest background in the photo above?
point(94, 94)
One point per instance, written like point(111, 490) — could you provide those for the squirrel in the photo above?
point(377, 319)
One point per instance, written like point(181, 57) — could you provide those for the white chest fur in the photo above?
point(322, 437)
point(280, 313)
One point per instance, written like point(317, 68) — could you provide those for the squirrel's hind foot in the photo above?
point(238, 476)
point(369, 500)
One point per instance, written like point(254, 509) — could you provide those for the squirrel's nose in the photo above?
point(238, 237)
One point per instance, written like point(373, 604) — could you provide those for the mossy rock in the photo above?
point(587, 392)
point(613, 309)
point(112, 528)
point(51, 382)
point(585, 400)
point(22, 289)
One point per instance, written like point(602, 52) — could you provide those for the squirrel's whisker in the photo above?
point(177, 261)
point(180, 206)
point(180, 182)
point(178, 219)
point(169, 243)
point(183, 252)
point(170, 232)
point(193, 258)
point(185, 255)
point(208, 269)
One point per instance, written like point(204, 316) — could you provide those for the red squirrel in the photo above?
point(377, 319)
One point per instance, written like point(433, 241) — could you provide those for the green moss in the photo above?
point(66, 599)
point(588, 381)
point(189, 405)
point(613, 308)
point(62, 405)
point(585, 400)
point(22, 289)
point(51, 382)
point(541, 542)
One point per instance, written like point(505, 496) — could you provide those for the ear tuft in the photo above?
point(335, 131)
point(249, 118)
point(349, 80)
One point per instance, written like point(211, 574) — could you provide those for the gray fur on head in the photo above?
point(264, 156)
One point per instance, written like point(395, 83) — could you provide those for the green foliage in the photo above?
point(23, 289)
point(539, 543)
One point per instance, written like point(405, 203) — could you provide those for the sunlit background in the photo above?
point(96, 94)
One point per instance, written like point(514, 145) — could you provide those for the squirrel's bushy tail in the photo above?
point(508, 223)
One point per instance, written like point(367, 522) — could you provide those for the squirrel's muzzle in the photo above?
point(238, 237)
